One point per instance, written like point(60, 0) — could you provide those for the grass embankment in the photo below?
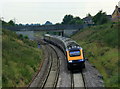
point(101, 48)
point(20, 59)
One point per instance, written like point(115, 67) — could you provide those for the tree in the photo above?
point(4, 23)
point(20, 36)
point(100, 18)
point(57, 24)
point(26, 37)
point(48, 23)
point(67, 19)
point(20, 24)
point(11, 22)
point(78, 20)
point(89, 15)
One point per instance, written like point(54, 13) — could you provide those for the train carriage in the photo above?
point(73, 52)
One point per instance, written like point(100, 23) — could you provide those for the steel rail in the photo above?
point(77, 80)
point(53, 74)
point(50, 68)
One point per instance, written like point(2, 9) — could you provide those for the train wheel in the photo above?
point(84, 65)
point(68, 66)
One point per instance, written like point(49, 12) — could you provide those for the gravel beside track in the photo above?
point(92, 77)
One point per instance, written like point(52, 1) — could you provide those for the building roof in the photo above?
point(87, 18)
point(116, 8)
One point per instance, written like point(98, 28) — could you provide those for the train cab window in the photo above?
point(74, 53)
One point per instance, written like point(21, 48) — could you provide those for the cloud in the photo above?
point(31, 11)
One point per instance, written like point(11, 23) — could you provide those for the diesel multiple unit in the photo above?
point(72, 51)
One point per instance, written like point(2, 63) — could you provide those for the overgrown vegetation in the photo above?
point(100, 18)
point(10, 23)
point(20, 59)
point(101, 48)
point(69, 19)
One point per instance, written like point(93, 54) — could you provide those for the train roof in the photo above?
point(65, 40)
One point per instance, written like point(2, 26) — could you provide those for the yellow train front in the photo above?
point(75, 57)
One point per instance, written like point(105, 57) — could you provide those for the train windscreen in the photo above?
point(74, 53)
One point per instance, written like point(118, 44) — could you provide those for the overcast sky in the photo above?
point(40, 11)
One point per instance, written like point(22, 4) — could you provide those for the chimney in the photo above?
point(116, 7)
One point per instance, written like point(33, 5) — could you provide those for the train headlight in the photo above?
point(73, 46)
point(70, 61)
point(69, 48)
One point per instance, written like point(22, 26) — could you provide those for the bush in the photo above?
point(26, 37)
point(20, 59)
point(20, 36)
point(100, 18)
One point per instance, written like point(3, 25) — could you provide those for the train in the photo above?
point(73, 52)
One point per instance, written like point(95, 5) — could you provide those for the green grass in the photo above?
point(20, 60)
point(101, 48)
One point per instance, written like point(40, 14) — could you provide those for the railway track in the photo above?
point(53, 74)
point(48, 77)
point(77, 81)
point(76, 77)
